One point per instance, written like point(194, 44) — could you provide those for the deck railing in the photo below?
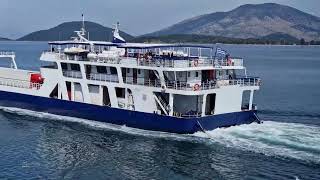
point(19, 83)
point(157, 62)
point(7, 53)
point(102, 77)
point(72, 74)
point(202, 62)
point(214, 84)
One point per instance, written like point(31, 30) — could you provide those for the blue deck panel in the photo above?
point(141, 120)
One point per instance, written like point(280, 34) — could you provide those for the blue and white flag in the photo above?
point(220, 52)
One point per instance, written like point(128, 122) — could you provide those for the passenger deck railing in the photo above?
point(19, 83)
point(202, 62)
point(72, 74)
point(214, 84)
point(110, 60)
point(157, 61)
point(103, 77)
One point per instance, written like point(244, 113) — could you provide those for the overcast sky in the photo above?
point(19, 17)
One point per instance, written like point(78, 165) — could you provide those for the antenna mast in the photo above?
point(83, 30)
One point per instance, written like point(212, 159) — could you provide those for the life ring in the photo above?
point(158, 63)
point(195, 63)
point(196, 87)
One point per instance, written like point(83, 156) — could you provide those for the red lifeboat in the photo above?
point(36, 78)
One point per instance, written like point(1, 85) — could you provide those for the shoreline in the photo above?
point(281, 45)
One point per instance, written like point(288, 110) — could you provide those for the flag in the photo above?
point(220, 53)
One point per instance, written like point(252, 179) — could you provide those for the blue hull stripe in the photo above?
point(133, 119)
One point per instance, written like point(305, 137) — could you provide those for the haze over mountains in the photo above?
point(263, 21)
point(251, 21)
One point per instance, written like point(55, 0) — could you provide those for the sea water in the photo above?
point(286, 146)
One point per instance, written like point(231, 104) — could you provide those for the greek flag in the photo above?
point(220, 52)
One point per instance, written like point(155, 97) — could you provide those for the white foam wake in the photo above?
point(292, 140)
point(94, 124)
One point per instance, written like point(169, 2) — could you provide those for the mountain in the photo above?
point(66, 30)
point(251, 21)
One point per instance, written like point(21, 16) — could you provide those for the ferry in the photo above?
point(176, 88)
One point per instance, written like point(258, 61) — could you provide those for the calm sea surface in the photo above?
point(287, 146)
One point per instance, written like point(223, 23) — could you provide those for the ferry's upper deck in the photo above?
point(174, 57)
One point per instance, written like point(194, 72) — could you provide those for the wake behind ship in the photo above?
point(162, 87)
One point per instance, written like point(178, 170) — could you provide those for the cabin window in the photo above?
point(49, 65)
point(102, 69)
point(64, 66)
point(88, 69)
point(113, 70)
point(75, 67)
point(128, 70)
point(189, 74)
point(197, 74)
point(139, 71)
point(120, 92)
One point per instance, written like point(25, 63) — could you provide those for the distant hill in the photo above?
point(204, 39)
point(251, 21)
point(279, 37)
point(4, 39)
point(66, 30)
